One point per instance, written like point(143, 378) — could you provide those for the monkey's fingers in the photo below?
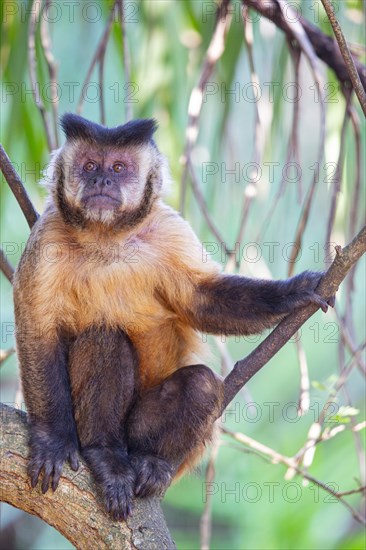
point(57, 471)
point(118, 499)
point(48, 470)
point(153, 476)
point(34, 469)
point(318, 300)
point(74, 460)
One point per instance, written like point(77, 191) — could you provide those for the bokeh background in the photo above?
point(253, 505)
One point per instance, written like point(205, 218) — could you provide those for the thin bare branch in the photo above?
point(346, 54)
point(101, 87)
point(52, 69)
point(35, 11)
point(250, 191)
point(6, 267)
point(17, 187)
point(304, 399)
point(352, 491)
point(206, 518)
point(98, 55)
point(214, 52)
point(355, 205)
point(5, 353)
point(278, 458)
point(203, 206)
point(126, 56)
point(292, 148)
point(360, 452)
point(348, 341)
point(341, 380)
point(296, 31)
point(337, 178)
point(305, 455)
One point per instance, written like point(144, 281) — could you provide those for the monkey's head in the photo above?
point(108, 176)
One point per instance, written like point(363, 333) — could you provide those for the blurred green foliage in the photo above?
point(253, 506)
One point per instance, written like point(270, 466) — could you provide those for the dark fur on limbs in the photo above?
point(135, 442)
point(168, 422)
point(103, 374)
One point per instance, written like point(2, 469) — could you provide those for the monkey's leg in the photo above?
point(168, 422)
point(103, 373)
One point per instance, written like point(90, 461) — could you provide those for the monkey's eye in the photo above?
point(90, 166)
point(118, 167)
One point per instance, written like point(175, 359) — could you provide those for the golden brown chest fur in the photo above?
point(129, 281)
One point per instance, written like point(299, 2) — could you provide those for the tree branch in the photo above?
point(278, 458)
point(346, 54)
point(74, 509)
point(17, 187)
point(35, 11)
point(326, 48)
point(245, 369)
point(98, 56)
point(6, 267)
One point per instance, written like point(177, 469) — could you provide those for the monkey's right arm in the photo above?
point(42, 355)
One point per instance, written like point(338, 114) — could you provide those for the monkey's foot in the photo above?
point(153, 475)
point(307, 283)
point(118, 494)
point(48, 454)
point(116, 477)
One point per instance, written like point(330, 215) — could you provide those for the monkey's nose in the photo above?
point(105, 182)
point(100, 183)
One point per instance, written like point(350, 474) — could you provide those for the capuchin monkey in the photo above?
point(111, 295)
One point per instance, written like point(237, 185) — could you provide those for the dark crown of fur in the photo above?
point(135, 132)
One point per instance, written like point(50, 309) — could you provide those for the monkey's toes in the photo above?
point(153, 475)
point(48, 457)
point(319, 301)
point(118, 497)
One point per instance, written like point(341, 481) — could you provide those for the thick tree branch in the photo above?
point(73, 509)
point(245, 369)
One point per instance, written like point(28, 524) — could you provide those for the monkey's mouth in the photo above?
point(104, 201)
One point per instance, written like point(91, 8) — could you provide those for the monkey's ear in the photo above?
point(76, 127)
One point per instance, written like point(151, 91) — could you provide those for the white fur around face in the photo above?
point(143, 162)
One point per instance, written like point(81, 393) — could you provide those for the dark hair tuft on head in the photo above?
point(135, 132)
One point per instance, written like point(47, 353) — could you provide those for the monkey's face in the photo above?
point(108, 176)
point(104, 183)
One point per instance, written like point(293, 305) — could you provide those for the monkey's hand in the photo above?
point(302, 291)
point(48, 452)
point(116, 477)
point(153, 475)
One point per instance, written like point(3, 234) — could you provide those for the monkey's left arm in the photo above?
point(231, 304)
point(192, 285)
